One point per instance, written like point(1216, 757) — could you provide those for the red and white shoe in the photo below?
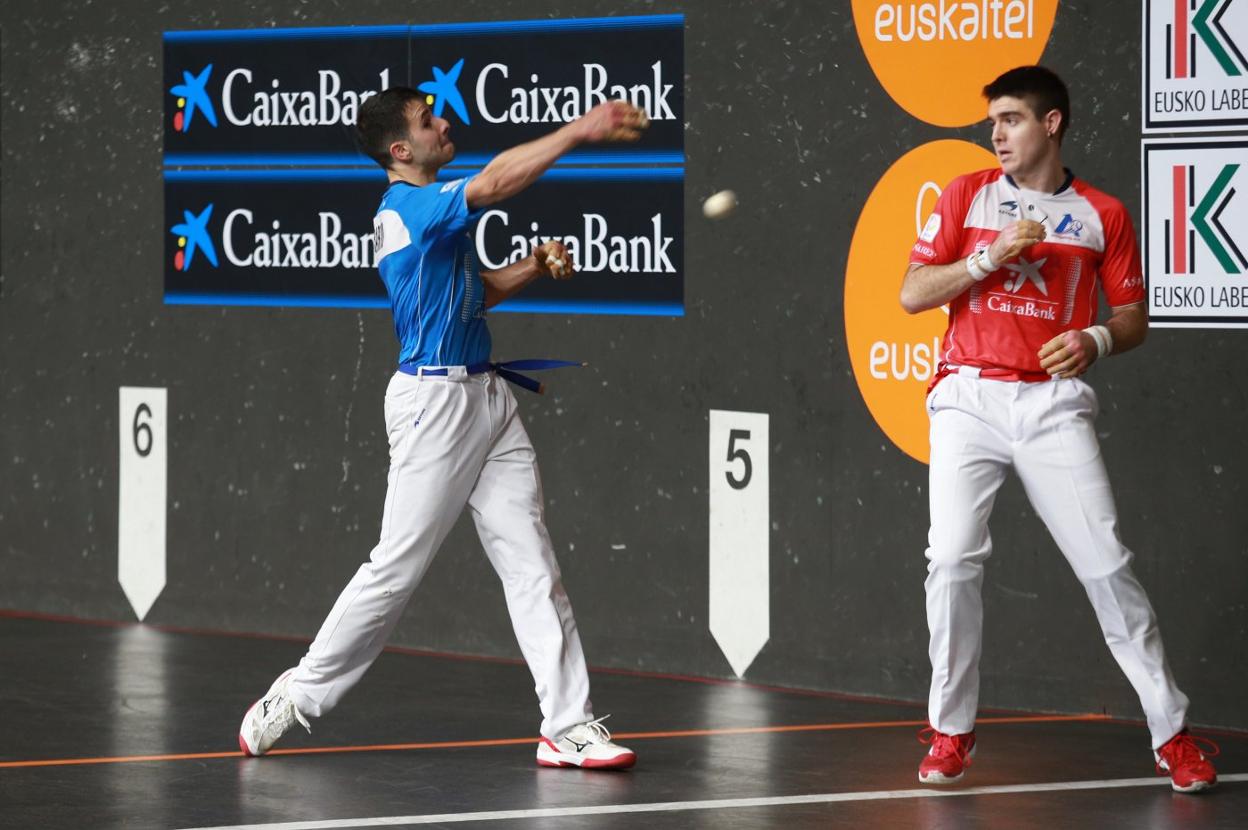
point(586, 745)
point(269, 718)
point(948, 758)
point(1183, 760)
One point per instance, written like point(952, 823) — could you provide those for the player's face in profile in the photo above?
point(1019, 139)
point(429, 136)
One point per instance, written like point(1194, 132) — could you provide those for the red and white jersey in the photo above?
point(1001, 322)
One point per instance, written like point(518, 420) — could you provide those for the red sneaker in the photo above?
point(1183, 760)
point(948, 758)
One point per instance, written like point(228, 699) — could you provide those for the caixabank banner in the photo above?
point(305, 238)
point(255, 100)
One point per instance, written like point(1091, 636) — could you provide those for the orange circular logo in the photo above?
point(894, 354)
point(935, 56)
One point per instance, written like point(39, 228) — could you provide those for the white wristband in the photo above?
point(985, 261)
point(1104, 340)
point(973, 267)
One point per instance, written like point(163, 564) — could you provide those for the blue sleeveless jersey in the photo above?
point(428, 261)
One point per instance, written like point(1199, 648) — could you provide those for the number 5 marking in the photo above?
point(734, 453)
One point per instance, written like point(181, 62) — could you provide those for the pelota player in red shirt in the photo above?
point(1018, 253)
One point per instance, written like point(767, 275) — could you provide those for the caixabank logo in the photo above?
point(1196, 232)
point(1196, 64)
point(247, 238)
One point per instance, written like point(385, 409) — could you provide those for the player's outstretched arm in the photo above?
point(548, 258)
point(513, 170)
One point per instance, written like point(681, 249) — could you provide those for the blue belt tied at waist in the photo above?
point(507, 370)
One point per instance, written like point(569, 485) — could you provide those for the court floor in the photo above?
point(117, 725)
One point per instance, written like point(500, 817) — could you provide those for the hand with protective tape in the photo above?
point(1014, 239)
point(1068, 355)
point(616, 120)
point(553, 258)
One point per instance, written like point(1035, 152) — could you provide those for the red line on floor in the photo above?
point(624, 736)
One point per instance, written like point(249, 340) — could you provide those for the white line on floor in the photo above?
point(713, 804)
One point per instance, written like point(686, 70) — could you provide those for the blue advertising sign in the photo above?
point(254, 119)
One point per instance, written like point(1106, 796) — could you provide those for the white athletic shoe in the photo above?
point(585, 745)
point(269, 718)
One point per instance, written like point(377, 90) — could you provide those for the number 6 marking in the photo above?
point(141, 428)
point(737, 452)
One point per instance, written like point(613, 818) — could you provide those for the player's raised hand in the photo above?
point(613, 121)
point(1069, 354)
point(553, 258)
point(1014, 239)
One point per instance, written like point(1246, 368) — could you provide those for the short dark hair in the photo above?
point(383, 120)
point(1039, 86)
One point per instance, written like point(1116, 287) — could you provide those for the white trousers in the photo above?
point(455, 440)
point(979, 429)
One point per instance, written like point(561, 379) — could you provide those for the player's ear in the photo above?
point(1053, 123)
point(400, 151)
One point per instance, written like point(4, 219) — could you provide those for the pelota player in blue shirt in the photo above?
point(455, 435)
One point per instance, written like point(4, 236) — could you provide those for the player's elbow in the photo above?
point(910, 303)
point(483, 190)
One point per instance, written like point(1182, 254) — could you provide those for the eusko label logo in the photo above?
point(192, 234)
point(1196, 231)
point(1196, 66)
point(192, 95)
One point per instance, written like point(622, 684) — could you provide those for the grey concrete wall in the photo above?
point(278, 456)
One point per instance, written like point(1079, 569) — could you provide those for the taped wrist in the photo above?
point(975, 266)
point(1104, 340)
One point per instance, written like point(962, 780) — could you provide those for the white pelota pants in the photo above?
point(979, 429)
point(455, 440)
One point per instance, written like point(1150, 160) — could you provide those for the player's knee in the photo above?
point(957, 558)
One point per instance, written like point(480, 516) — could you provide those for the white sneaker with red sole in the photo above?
point(269, 718)
point(586, 745)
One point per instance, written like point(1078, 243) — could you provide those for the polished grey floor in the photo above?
point(83, 705)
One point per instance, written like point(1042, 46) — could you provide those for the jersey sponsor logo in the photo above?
point(1024, 271)
point(931, 228)
point(594, 249)
point(1008, 208)
point(1069, 227)
point(192, 95)
point(964, 45)
point(1196, 64)
point(192, 234)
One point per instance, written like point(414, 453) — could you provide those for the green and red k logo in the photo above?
point(1204, 212)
